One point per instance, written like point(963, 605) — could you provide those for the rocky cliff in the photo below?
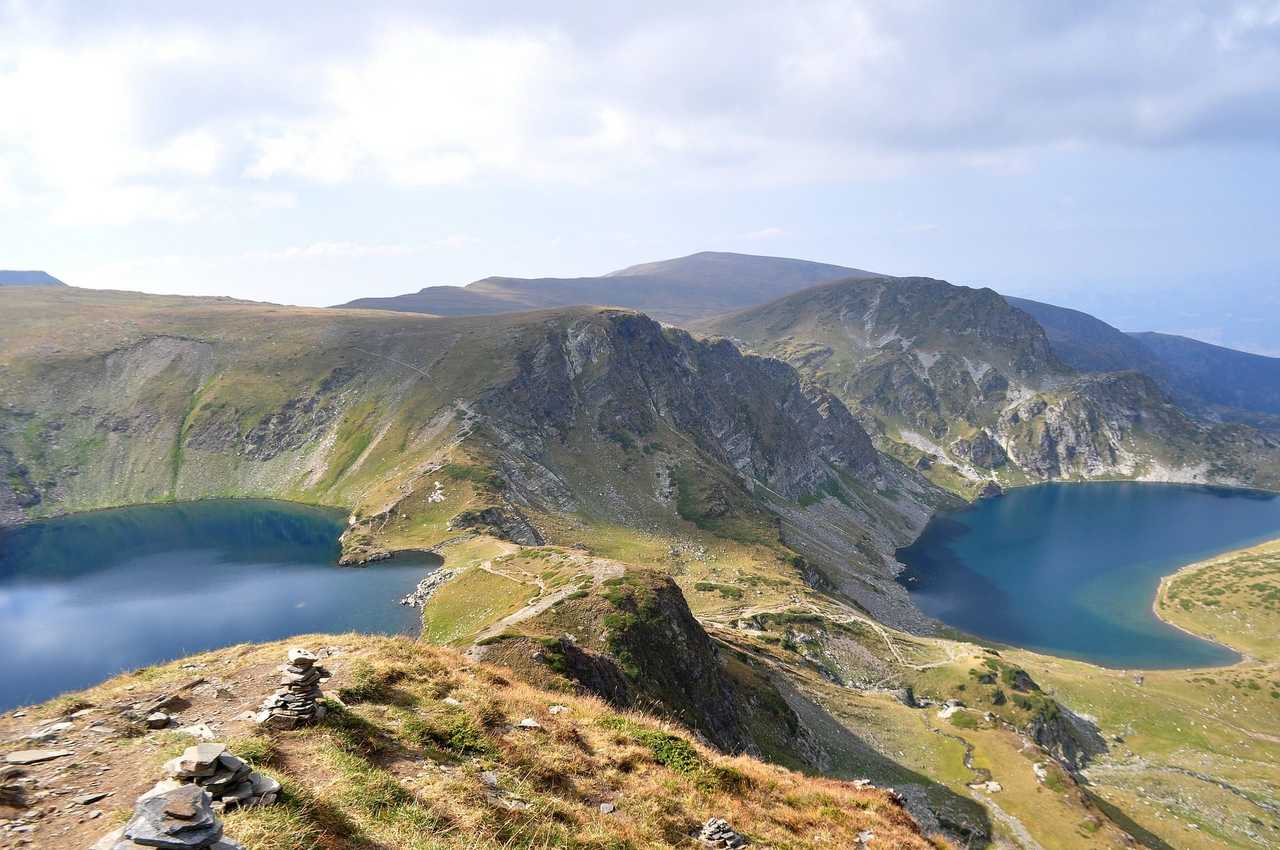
point(967, 388)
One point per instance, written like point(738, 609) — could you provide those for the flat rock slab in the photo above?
point(89, 799)
point(35, 756)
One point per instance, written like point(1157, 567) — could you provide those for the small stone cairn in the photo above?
point(229, 781)
point(180, 818)
point(718, 835)
point(294, 703)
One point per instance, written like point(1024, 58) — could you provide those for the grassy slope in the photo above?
point(1177, 736)
point(399, 767)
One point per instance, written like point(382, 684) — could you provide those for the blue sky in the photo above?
point(1119, 157)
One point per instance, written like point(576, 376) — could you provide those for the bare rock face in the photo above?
point(1068, 737)
point(623, 373)
point(503, 523)
point(982, 450)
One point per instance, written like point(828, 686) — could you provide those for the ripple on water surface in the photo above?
point(87, 596)
point(1072, 569)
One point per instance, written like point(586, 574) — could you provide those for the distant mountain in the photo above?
point(1217, 375)
point(28, 278)
point(969, 388)
point(1207, 379)
point(1087, 343)
point(678, 290)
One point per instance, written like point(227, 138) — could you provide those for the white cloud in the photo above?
point(172, 115)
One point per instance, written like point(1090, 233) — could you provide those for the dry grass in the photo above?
point(430, 755)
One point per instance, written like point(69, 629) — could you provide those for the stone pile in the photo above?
point(718, 835)
point(294, 703)
point(229, 781)
point(181, 818)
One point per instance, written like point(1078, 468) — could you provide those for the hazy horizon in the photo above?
point(1119, 160)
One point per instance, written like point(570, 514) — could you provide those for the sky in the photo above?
point(1118, 157)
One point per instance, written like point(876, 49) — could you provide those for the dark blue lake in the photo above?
point(1072, 569)
point(87, 596)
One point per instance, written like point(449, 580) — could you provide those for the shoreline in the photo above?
point(957, 633)
point(1165, 581)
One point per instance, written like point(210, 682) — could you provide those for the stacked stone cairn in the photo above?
point(718, 835)
point(230, 782)
point(295, 702)
point(180, 818)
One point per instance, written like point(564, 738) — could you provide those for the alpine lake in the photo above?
point(87, 596)
point(1065, 569)
point(1073, 569)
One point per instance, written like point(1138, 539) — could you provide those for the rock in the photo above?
point(263, 785)
point(157, 720)
point(428, 587)
point(181, 819)
point(607, 808)
point(12, 789)
point(36, 756)
point(529, 723)
point(198, 730)
point(718, 835)
point(300, 657)
point(89, 799)
point(164, 786)
point(558, 709)
point(200, 760)
point(45, 734)
point(110, 840)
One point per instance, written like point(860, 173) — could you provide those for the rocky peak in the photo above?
point(622, 373)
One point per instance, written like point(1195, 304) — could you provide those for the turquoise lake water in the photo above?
point(87, 596)
point(1072, 569)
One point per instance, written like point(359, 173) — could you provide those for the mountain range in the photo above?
point(701, 521)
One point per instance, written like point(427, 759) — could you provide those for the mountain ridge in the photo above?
point(10, 277)
point(673, 290)
point(969, 388)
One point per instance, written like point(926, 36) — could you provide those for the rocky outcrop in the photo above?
point(957, 382)
point(503, 523)
point(1068, 737)
point(636, 644)
point(625, 376)
point(980, 450)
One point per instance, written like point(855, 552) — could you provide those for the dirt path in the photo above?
point(601, 570)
